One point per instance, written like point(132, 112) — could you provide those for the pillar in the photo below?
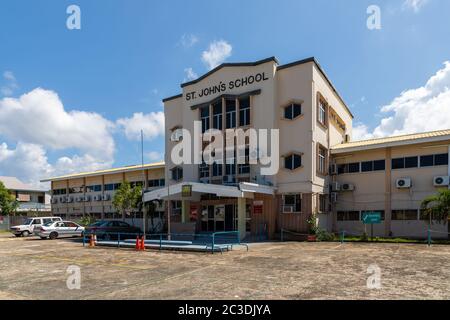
point(185, 211)
point(241, 217)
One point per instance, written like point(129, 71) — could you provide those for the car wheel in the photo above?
point(25, 234)
point(53, 236)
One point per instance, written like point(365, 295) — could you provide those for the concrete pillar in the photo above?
point(185, 211)
point(241, 216)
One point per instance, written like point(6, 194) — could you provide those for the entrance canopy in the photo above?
point(243, 190)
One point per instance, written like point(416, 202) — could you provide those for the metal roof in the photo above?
point(156, 165)
point(12, 183)
point(407, 139)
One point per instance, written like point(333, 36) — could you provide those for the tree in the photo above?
point(8, 203)
point(437, 207)
point(126, 198)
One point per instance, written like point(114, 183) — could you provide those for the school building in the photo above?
point(322, 174)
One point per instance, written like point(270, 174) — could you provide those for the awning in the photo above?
point(243, 190)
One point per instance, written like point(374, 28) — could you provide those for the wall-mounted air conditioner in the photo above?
point(288, 209)
point(441, 181)
point(347, 187)
point(87, 198)
point(403, 183)
point(106, 197)
point(335, 186)
point(54, 200)
point(62, 199)
point(69, 199)
point(334, 197)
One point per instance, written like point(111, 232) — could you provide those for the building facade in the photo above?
point(31, 199)
point(297, 99)
point(91, 193)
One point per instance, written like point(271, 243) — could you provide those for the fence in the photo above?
point(208, 242)
point(7, 221)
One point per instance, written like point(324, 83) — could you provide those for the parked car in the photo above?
point(31, 225)
point(108, 230)
point(60, 229)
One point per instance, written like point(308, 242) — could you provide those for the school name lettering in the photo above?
point(223, 86)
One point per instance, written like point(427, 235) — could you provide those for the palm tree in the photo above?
point(437, 207)
point(126, 198)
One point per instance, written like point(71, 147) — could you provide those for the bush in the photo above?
point(364, 237)
point(87, 220)
point(323, 235)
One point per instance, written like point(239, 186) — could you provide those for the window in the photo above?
point(404, 214)
point(156, 183)
point(176, 207)
point(230, 169)
point(353, 167)
point(58, 192)
point(322, 203)
point(379, 165)
point(294, 201)
point(244, 111)
point(441, 159)
point(322, 160)
point(367, 166)
point(203, 170)
point(426, 161)
point(135, 184)
point(177, 174)
point(230, 107)
point(293, 161)
point(76, 190)
point(96, 188)
point(112, 186)
point(204, 115)
point(217, 115)
point(243, 168)
point(348, 215)
point(217, 169)
point(398, 163)
point(321, 112)
point(411, 162)
point(292, 111)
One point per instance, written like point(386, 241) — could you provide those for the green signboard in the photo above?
point(371, 218)
point(186, 191)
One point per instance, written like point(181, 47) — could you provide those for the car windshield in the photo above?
point(28, 221)
point(48, 224)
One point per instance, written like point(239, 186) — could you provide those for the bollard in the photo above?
point(429, 237)
point(342, 237)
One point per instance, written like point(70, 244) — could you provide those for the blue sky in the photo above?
point(129, 55)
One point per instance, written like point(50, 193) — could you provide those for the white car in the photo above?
point(32, 225)
point(60, 229)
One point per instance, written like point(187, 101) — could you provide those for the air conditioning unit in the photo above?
point(98, 198)
point(441, 181)
point(87, 198)
point(334, 197)
point(62, 199)
point(347, 187)
point(288, 209)
point(106, 197)
point(335, 186)
point(403, 183)
point(54, 200)
point(333, 169)
point(69, 199)
point(79, 199)
point(177, 135)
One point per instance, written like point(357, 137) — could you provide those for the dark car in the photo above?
point(107, 230)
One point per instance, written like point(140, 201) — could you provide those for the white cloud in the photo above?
point(217, 53)
point(414, 5)
point(29, 163)
point(11, 84)
point(39, 117)
point(188, 40)
point(426, 108)
point(155, 156)
point(190, 74)
point(152, 124)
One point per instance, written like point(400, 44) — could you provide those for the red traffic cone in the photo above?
point(138, 245)
point(91, 241)
point(142, 244)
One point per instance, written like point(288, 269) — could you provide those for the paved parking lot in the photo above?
point(36, 269)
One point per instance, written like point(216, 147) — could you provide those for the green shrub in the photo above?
point(323, 235)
